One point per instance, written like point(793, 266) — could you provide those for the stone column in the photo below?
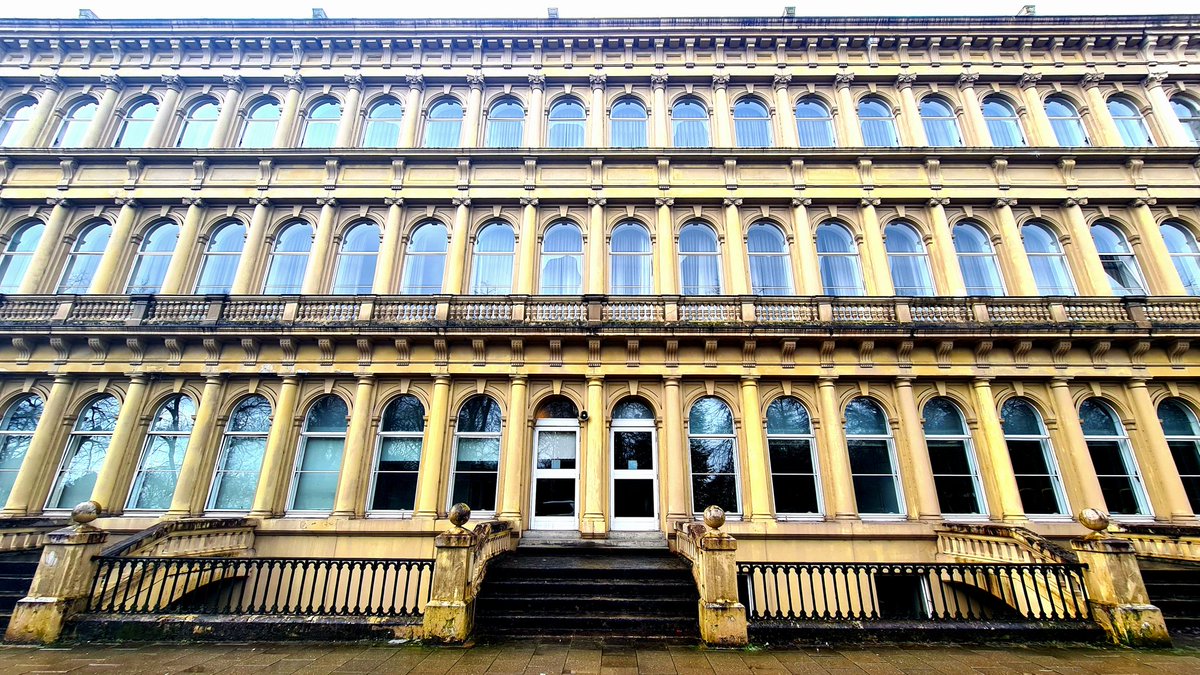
point(1161, 274)
point(975, 126)
point(735, 248)
point(596, 265)
point(514, 467)
point(912, 125)
point(352, 478)
point(527, 240)
point(474, 112)
point(279, 446)
point(785, 112)
point(167, 110)
point(660, 115)
point(46, 246)
point(758, 466)
point(596, 120)
point(1021, 280)
point(677, 467)
point(256, 237)
point(107, 279)
point(1093, 281)
point(666, 258)
point(389, 250)
point(412, 111)
point(1106, 132)
point(1174, 135)
point(113, 86)
point(840, 485)
point(123, 448)
point(42, 450)
point(594, 478)
point(923, 499)
point(943, 257)
point(537, 111)
point(434, 451)
point(289, 115)
point(347, 126)
point(994, 450)
point(456, 261)
point(1157, 462)
point(847, 117)
point(875, 263)
point(187, 243)
point(1116, 592)
point(1041, 134)
point(1076, 450)
point(192, 485)
point(804, 249)
point(722, 122)
point(234, 86)
point(52, 88)
point(322, 249)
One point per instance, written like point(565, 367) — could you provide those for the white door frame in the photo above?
point(554, 522)
point(633, 524)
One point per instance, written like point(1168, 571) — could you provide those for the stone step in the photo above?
point(626, 588)
point(595, 607)
point(521, 624)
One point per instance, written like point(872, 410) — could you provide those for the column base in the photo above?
point(723, 624)
point(448, 621)
point(1132, 625)
point(593, 527)
point(38, 620)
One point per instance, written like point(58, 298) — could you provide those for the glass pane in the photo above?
point(315, 491)
point(555, 497)
point(1176, 419)
point(1028, 456)
point(154, 491)
point(943, 418)
point(949, 456)
point(556, 449)
point(327, 415)
point(478, 454)
point(1038, 495)
point(1120, 495)
point(876, 494)
point(790, 455)
point(251, 414)
point(23, 415)
point(956, 494)
point(633, 498)
point(99, 415)
point(633, 450)
point(787, 415)
point(78, 477)
point(869, 456)
point(1186, 454)
point(711, 455)
point(480, 414)
point(405, 413)
point(400, 454)
point(864, 416)
point(395, 492)
point(477, 490)
point(1020, 419)
point(795, 494)
point(710, 415)
point(12, 451)
point(631, 409)
point(322, 454)
point(1098, 420)
point(715, 490)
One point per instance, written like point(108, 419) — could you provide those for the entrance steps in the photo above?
point(16, 575)
point(571, 539)
point(1176, 591)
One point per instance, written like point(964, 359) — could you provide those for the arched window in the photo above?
point(1129, 121)
point(289, 259)
point(476, 463)
point(977, 260)
point(505, 124)
point(1002, 123)
point(16, 433)
point(1038, 479)
point(75, 124)
point(136, 123)
point(398, 455)
point(162, 455)
point(628, 124)
point(17, 255)
point(261, 124)
point(1065, 121)
point(221, 258)
point(699, 260)
point(87, 446)
point(792, 450)
point(952, 456)
point(199, 122)
point(877, 123)
point(1050, 270)
point(713, 449)
point(567, 122)
point(492, 269)
point(631, 260)
point(154, 255)
point(356, 261)
point(444, 125)
point(872, 459)
point(321, 125)
point(1108, 444)
point(814, 124)
point(752, 123)
point(425, 260)
point(1185, 253)
point(1118, 260)
point(770, 264)
point(940, 122)
point(319, 458)
point(907, 260)
point(242, 450)
point(15, 122)
point(837, 257)
point(562, 260)
point(384, 120)
point(1188, 112)
point(1180, 426)
point(85, 258)
point(689, 123)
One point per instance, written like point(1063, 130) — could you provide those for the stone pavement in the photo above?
point(588, 657)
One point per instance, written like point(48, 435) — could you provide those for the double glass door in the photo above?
point(555, 475)
point(634, 475)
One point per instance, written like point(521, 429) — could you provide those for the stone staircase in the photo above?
point(1177, 593)
point(16, 574)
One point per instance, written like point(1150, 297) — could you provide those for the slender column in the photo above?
point(1020, 271)
point(662, 116)
point(527, 259)
point(46, 246)
point(910, 112)
point(876, 263)
point(187, 243)
point(279, 445)
point(1107, 133)
point(758, 472)
point(537, 111)
point(1174, 135)
point(389, 249)
point(1094, 281)
point(722, 124)
point(677, 465)
point(42, 448)
point(975, 126)
point(785, 113)
point(919, 486)
point(52, 88)
point(945, 260)
point(113, 86)
point(222, 130)
point(350, 111)
point(352, 478)
point(457, 261)
point(412, 111)
point(994, 451)
point(666, 264)
point(596, 120)
point(474, 112)
point(1157, 462)
point(1161, 273)
point(595, 473)
point(123, 447)
point(434, 451)
point(595, 266)
point(290, 113)
point(512, 477)
point(1041, 134)
point(106, 279)
point(735, 237)
point(322, 249)
point(166, 111)
point(847, 117)
point(839, 485)
point(192, 487)
point(1076, 447)
point(804, 249)
point(243, 279)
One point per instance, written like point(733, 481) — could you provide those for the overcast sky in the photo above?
point(124, 9)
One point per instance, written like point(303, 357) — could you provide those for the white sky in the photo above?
point(128, 9)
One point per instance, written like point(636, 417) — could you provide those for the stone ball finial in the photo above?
point(1094, 519)
point(460, 513)
point(714, 517)
point(85, 512)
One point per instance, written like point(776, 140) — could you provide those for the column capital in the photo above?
point(415, 81)
point(658, 80)
point(595, 380)
point(905, 381)
point(939, 201)
point(597, 201)
point(112, 82)
point(366, 378)
point(537, 81)
point(139, 378)
point(52, 82)
point(782, 80)
point(598, 80)
point(827, 380)
point(327, 201)
point(869, 201)
point(354, 81)
point(664, 201)
point(1144, 201)
point(126, 201)
point(905, 80)
point(461, 201)
point(671, 380)
point(529, 201)
point(214, 379)
point(1154, 80)
point(1075, 201)
point(982, 381)
point(801, 201)
point(519, 378)
point(967, 80)
point(748, 380)
point(475, 81)
point(441, 379)
point(720, 81)
point(290, 379)
point(1091, 80)
point(193, 201)
point(1006, 201)
point(733, 201)
point(1060, 380)
point(843, 80)
point(1138, 381)
point(294, 81)
point(173, 82)
point(393, 201)
point(234, 82)
point(260, 201)
point(58, 201)
point(1029, 80)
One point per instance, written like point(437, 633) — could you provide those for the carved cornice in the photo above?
point(58, 201)
point(529, 201)
point(732, 201)
point(461, 201)
point(126, 201)
point(393, 201)
point(1154, 80)
point(597, 201)
point(664, 201)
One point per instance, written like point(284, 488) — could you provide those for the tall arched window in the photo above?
point(628, 124)
point(940, 122)
point(17, 255)
point(356, 261)
point(877, 122)
point(1182, 429)
point(872, 459)
point(85, 258)
point(567, 122)
point(199, 122)
point(1065, 121)
point(321, 125)
point(1003, 125)
point(384, 120)
point(1108, 444)
point(16, 433)
point(289, 259)
point(75, 124)
point(1038, 479)
point(398, 455)
point(689, 123)
point(770, 264)
point(792, 450)
point(631, 260)
point(162, 455)
point(154, 255)
point(1185, 253)
point(261, 124)
point(907, 260)
point(444, 125)
point(1188, 112)
point(713, 450)
point(837, 257)
point(425, 260)
point(476, 463)
point(136, 123)
point(221, 258)
point(319, 458)
point(1118, 260)
point(87, 446)
point(15, 122)
point(1050, 270)
point(699, 260)
point(952, 457)
point(814, 124)
point(752, 123)
point(977, 260)
point(492, 268)
point(1129, 121)
point(242, 450)
point(562, 260)
point(505, 124)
